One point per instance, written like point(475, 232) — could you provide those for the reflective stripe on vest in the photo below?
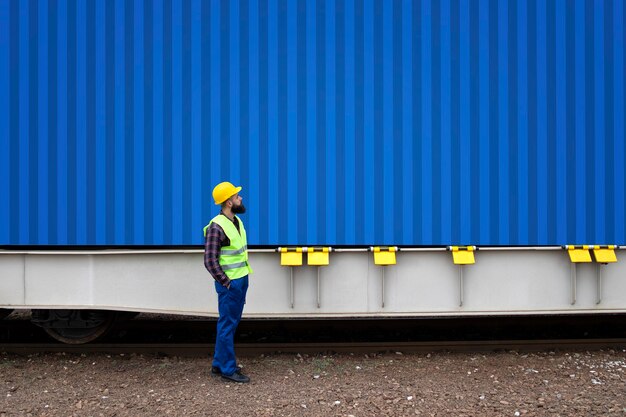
point(234, 252)
point(233, 258)
point(233, 266)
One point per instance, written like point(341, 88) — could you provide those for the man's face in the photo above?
point(237, 206)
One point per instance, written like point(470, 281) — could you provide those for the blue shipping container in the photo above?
point(348, 122)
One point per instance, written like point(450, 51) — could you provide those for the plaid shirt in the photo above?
point(214, 240)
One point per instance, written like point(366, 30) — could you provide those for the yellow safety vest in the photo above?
point(233, 258)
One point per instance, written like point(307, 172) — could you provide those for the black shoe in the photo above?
point(217, 371)
point(236, 377)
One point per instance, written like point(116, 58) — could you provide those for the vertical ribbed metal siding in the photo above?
point(347, 122)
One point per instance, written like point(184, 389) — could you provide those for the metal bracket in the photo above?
point(603, 256)
point(318, 287)
point(384, 256)
point(598, 283)
point(383, 288)
point(460, 285)
point(291, 284)
point(577, 254)
point(318, 256)
point(461, 256)
point(573, 283)
point(290, 257)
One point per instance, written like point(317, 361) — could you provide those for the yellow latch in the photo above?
point(604, 254)
point(384, 255)
point(290, 256)
point(578, 254)
point(462, 255)
point(318, 256)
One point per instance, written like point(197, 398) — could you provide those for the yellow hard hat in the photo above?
point(223, 191)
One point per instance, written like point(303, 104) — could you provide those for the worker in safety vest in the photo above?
point(226, 258)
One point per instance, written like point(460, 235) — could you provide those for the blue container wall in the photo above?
point(347, 122)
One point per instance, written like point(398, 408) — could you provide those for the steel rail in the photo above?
point(253, 349)
point(265, 250)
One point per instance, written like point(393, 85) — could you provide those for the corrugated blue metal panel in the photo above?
point(347, 122)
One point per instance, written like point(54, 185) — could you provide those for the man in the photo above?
point(226, 258)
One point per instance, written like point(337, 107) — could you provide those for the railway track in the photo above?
point(190, 338)
point(252, 349)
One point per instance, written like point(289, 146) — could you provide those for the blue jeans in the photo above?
point(230, 305)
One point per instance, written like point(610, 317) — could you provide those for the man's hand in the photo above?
point(228, 286)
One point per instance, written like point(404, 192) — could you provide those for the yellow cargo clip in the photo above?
point(462, 255)
point(290, 256)
point(578, 254)
point(384, 255)
point(604, 254)
point(318, 256)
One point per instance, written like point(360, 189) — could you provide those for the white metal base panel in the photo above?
point(421, 284)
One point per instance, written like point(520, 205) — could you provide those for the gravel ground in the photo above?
point(440, 384)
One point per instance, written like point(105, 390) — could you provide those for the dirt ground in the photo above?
point(437, 384)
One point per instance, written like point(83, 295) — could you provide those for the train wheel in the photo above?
point(4, 312)
point(74, 326)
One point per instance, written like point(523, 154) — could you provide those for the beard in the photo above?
point(240, 209)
